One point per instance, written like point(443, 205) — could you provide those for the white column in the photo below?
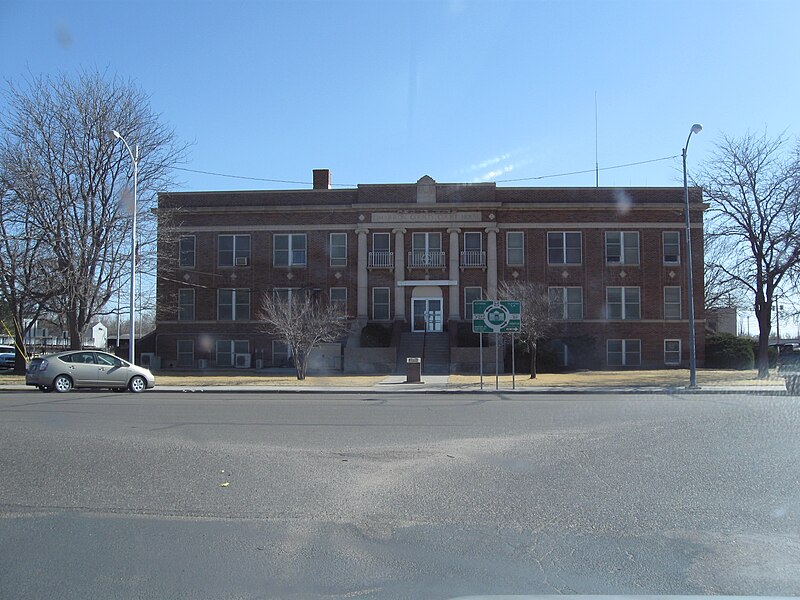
point(454, 292)
point(399, 274)
point(491, 263)
point(363, 289)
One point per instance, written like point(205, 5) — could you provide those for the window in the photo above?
point(622, 247)
point(515, 249)
point(623, 303)
point(564, 248)
point(381, 255)
point(426, 242)
point(338, 249)
point(228, 349)
point(380, 242)
point(185, 353)
point(672, 352)
point(234, 250)
point(186, 304)
point(281, 354)
point(290, 250)
point(672, 302)
point(107, 360)
point(624, 353)
point(671, 243)
point(473, 254)
point(339, 299)
point(380, 304)
point(186, 246)
point(233, 305)
point(470, 295)
point(566, 303)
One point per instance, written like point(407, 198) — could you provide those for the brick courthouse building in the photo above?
point(414, 256)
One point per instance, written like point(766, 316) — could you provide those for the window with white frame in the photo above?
point(381, 242)
point(289, 250)
point(186, 251)
point(281, 354)
point(564, 247)
point(624, 353)
point(228, 349)
point(515, 248)
point(186, 304)
point(185, 353)
point(338, 249)
point(622, 247)
point(426, 250)
point(233, 250)
point(470, 295)
point(338, 297)
point(671, 246)
point(672, 352)
point(672, 302)
point(380, 304)
point(233, 304)
point(566, 303)
point(623, 303)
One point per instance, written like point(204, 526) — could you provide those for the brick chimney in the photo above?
point(322, 179)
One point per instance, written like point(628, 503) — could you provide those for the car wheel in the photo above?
point(62, 384)
point(45, 388)
point(137, 384)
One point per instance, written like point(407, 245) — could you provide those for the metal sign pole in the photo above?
point(496, 364)
point(513, 365)
point(481, 336)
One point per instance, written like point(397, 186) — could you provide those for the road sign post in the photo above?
point(495, 316)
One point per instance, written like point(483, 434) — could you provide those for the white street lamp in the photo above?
point(696, 128)
point(132, 328)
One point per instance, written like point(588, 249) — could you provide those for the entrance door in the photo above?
point(427, 314)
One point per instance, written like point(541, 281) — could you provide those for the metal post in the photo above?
point(481, 351)
point(689, 274)
point(513, 365)
point(132, 316)
point(496, 364)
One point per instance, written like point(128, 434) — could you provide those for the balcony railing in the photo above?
point(381, 260)
point(425, 259)
point(473, 258)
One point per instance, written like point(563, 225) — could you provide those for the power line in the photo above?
point(538, 177)
point(255, 178)
point(633, 164)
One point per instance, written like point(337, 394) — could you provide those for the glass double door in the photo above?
point(427, 314)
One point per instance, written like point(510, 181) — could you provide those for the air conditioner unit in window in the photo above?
point(241, 261)
point(242, 361)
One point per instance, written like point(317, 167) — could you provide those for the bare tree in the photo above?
point(720, 290)
point(535, 306)
point(57, 155)
point(24, 265)
point(303, 321)
point(753, 187)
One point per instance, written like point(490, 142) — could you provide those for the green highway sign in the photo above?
point(496, 316)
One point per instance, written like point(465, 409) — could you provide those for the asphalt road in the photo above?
point(108, 495)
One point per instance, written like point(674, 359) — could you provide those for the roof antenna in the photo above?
point(596, 164)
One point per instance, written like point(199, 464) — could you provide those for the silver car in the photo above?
point(86, 368)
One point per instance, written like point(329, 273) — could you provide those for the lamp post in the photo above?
point(132, 316)
point(696, 128)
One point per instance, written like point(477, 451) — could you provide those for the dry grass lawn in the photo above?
point(665, 378)
point(676, 377)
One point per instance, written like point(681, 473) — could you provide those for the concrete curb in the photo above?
point(430, 389)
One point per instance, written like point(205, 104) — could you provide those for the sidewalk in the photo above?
point(438, 384)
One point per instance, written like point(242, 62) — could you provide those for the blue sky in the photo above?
point(459, 90)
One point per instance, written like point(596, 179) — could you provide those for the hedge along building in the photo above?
point(413, 257)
